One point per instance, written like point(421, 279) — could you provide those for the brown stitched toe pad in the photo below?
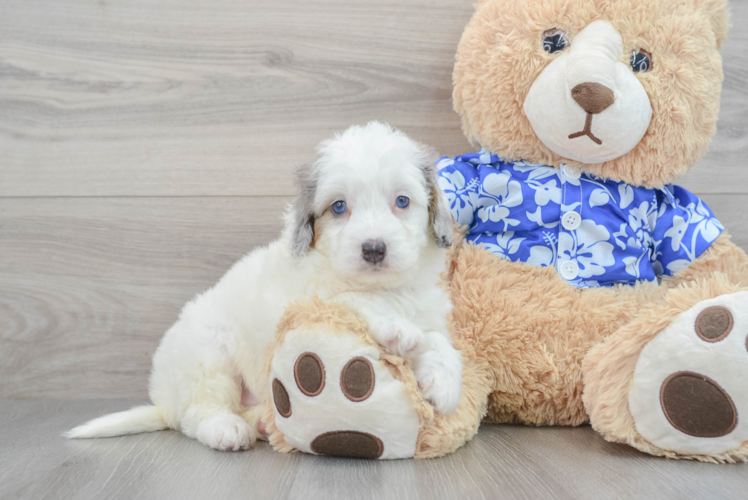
point(696, 405)
point(281, 399)
point(310, 374)
point(348, 444)
point(714, 323)
point(357, 379)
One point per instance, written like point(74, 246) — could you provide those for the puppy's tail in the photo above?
point(134, 421)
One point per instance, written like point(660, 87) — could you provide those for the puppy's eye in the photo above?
point(339, 207)
point(641, 61)
point(402, 201)
point(555, 40)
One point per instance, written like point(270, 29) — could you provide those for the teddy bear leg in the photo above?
point(333, 391)
point(672, 382)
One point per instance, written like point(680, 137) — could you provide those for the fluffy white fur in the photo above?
point(213, 355)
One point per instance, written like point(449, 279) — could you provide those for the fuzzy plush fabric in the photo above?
point(609, 368)
point(551, 354)
point(536, 350)
point(529, 331)
point(501, 54)
point(540, 352)
point(336, 320)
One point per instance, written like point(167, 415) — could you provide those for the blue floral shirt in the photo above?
point(594, 232)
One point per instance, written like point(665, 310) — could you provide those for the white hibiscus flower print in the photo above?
point(545, 193)
point(506, 245)
point(544, 256)
point(589, 246)
point(462, 198)
point(676, 232)
point(540, 256)
point(639, 218)
point(632, 265)
point(599, 197)
point(626, 193)
point(707, 226)
point(498, 194)
point(444, 162)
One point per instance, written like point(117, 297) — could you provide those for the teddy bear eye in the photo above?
point(555, 40)
point(641, 61)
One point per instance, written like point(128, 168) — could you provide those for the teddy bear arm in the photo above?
point(723, 256)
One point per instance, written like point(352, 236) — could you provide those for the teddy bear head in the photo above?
point(626, 90)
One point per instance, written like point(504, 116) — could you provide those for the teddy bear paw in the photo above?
point(689, 394)
point(333, 395)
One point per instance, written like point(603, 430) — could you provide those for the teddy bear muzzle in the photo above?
point(607, 100)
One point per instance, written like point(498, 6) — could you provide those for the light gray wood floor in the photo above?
point(501, 462)
point(145, 145)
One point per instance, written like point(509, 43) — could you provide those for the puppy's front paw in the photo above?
point(399, 336)
point(439, 376)
point(225, 432)
point(440, 387)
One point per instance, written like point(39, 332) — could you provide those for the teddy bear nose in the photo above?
point(593, 97)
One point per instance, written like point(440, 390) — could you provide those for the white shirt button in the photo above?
point(571, 221)
point(568, 270)
point(571, 173)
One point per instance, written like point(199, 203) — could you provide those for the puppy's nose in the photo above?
point(373, 251)
point(593, 97)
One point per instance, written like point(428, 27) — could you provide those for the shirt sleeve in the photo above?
point(459, 180)
point(684, 229)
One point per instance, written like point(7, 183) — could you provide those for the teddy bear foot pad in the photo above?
point(688, 394)
point(333, 395)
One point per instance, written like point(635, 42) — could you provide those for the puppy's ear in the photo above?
point(302, 212)
point(439, 213)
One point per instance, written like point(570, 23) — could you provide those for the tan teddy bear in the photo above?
point(588, 288)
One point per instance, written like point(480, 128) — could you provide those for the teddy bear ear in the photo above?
point(719, 16)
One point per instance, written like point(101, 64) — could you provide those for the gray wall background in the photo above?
point(146, 145)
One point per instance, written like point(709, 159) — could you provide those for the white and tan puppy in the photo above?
point(368, 228)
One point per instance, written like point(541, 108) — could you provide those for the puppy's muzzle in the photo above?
point(373, 251)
